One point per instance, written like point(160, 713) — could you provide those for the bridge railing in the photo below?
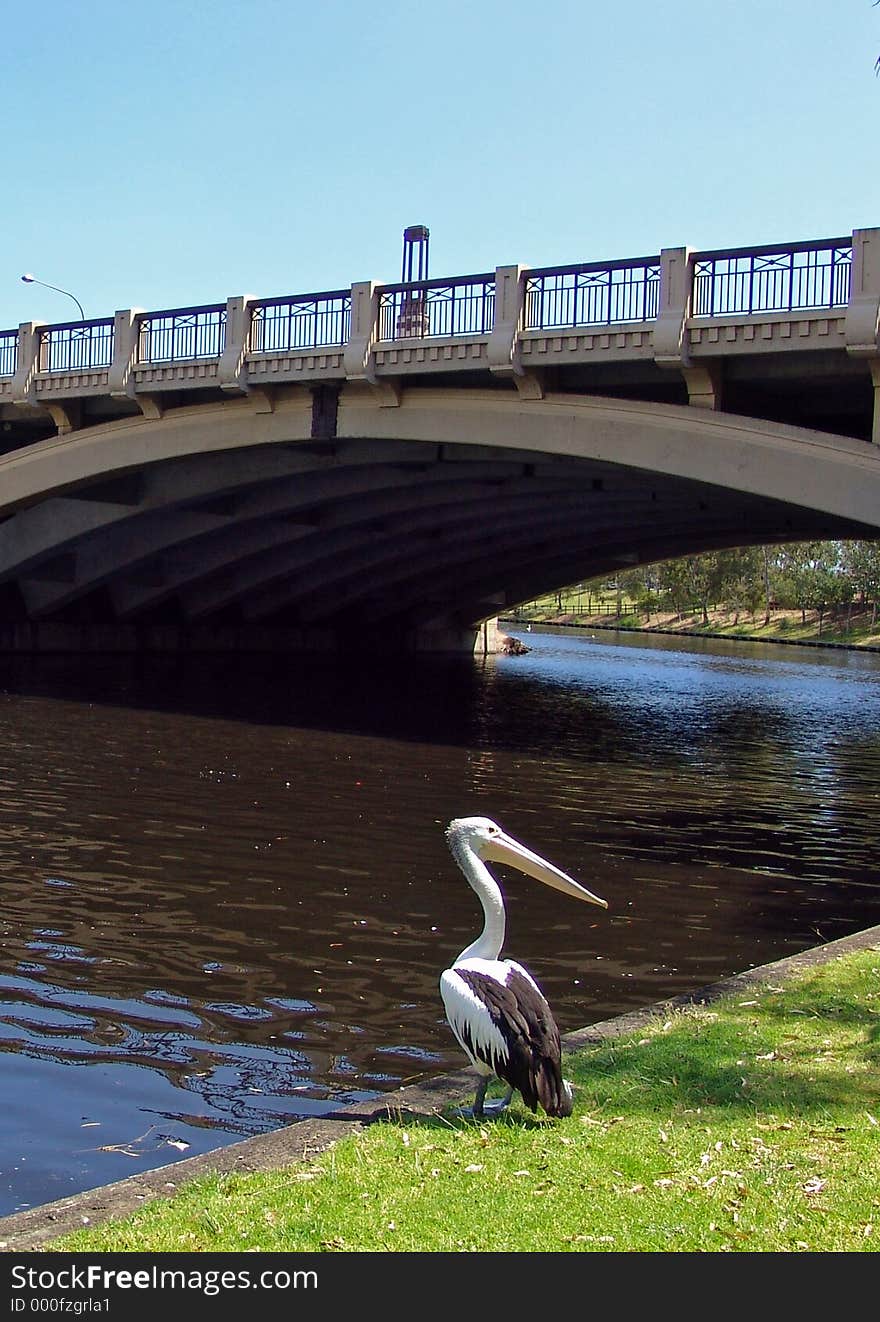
point(426, 309)
point(301, 321)
point(76, 346)
point(772, 279)
point(782, 278)
point(182, 334)
point(591, 294)
point(8, 352)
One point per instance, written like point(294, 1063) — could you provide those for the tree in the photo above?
point(818, 576)
point(860, 561)
point(674, 580)
point(688, 581)
point(640, 586)
point(811, 577)
point(743, 579)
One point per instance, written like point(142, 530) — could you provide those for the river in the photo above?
point(227, 899)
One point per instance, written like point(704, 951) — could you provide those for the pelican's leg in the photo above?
point(482, 1109)
point(496, 1107)
point(474, 1112)
point(480, 1097)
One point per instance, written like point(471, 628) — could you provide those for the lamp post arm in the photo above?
point(32, 280)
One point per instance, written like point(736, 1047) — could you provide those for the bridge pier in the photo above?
point(45, 638)
point(484, 640)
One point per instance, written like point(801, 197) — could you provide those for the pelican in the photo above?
point(494, 1007)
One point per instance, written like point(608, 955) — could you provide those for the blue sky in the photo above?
point(176, 152)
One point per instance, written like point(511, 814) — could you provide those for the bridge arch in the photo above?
point(404, 520)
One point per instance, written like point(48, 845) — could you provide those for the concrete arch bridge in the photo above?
point(399, 487)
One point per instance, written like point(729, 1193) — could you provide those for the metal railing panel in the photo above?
point(8, 352)
point(302, 321)
point(76, 346)
point(791, 278)
point(429, 309)
point(182, 334)
point(594, 294)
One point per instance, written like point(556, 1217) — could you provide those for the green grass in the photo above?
point(752, 1125)
point(862, 632)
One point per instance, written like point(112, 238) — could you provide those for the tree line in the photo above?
point(828, 578)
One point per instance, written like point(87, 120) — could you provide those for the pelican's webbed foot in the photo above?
point(498, 1105)
point(481, 1109)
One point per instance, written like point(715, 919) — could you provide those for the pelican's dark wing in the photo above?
point(503, 1021)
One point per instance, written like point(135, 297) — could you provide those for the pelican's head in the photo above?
point(485, 838)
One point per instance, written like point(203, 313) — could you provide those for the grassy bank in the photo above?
point(856, 629)
point(749, 1125)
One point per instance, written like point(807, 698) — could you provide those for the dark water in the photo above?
point(226, 896)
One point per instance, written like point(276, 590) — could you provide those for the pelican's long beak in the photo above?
point(504, 849)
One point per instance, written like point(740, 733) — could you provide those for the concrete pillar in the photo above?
point(126, 332)
point(671, 348)
point(487, 641)
point(362, 336)
point(357, 357)
point(502, 350)
point(670, 328)
point(27, 361)
point(862, 325)
point(232, 368)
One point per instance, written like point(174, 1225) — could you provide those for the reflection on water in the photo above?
point(226, 896)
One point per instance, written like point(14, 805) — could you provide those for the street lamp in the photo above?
point(32, 280)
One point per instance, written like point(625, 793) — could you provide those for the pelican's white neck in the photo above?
point(488, 944)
